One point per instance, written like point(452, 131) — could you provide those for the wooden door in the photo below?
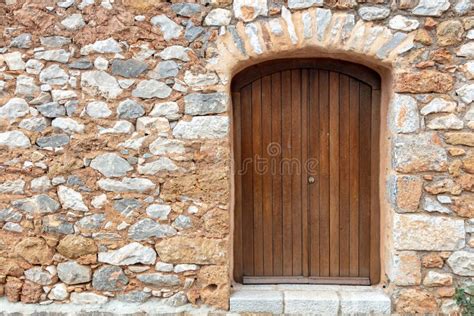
point(306, 173)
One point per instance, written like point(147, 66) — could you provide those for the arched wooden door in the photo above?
point(306, 173)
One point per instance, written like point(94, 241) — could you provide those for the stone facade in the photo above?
point(115, 168)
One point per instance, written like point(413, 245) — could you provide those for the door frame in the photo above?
point(357, 71)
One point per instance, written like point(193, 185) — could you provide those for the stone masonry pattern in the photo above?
point(115, 142)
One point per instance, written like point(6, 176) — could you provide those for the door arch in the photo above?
point(306, 145)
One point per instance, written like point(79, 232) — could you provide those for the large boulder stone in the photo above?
point(34, 250)
point(75, 246)
point(462, 263)
point(425, 232)
point(196, 250)
point(130, 254)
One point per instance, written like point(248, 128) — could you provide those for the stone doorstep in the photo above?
point(309, 299)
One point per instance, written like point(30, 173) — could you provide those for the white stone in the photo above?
point(438, 105)
point(162, 164)
point(61, 96)
point(364, 303)
point(466, 50)
point(462, 263)
point(12, 187)
point(58, 55)
point(180, 268)
point(202, 127)
point(135, 142)
point(303, 4)
point(426, 232)
point(127, 255)
point(247, 301)
point(148, 89)
point(150, 125)
point(373, 13)
point(401, 23)
point(432, 205)
point(111, 165)
point(431, 7)
point(58, 292)
point(170, 110)
point(73, 22)
point(466, 93)
point(158, 211)
point(68, 125)
point(86, 298)
point(404, 268)
point(405, 114)
point(450, 121)
point(218, 17)
point(463, 6)
point(107, 46)
point(318, 302)
point(275, 27)
point(34, 66)
point(54, 75)
point(120, 127)
point(175, 52)
point(71, 199)
point(286, 15)
point(39, 276)
point(248, 10)
point(323, 18)
point(251, 30)
point(14, 108)
point(14, 139)
point(101, 63)
point(14, 61)
point(126, 185)
point(165, 146)
point(434, 278)
point(99, 201)
point(98, 109)
point(41, 184)
point(100, 83)
point(168, 27)
point(200, 80)
point(163, 267)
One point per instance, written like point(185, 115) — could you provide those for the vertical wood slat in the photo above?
point(276, 170)
point(364, 179)
point(247, 181)
point(344, 173)
point(324, 237)
point(295, 171)
point(267, 178)
point(237, 136)
point(314, 209)
point(304, 169)
point(286, 179)
point(354, 177)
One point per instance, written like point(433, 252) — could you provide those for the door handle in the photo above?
point(311, 180)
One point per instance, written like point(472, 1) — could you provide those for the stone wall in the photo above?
point(115, 134)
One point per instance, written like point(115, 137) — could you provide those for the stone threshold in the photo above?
point(309, 299)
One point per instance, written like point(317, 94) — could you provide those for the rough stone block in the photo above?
point(256, 302)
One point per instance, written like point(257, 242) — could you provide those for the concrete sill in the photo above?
point(309, 299)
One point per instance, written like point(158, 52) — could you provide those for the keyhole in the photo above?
point(311, 180)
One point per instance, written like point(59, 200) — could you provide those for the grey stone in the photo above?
point(53, 75)
point(466, 93)
point(101, 63)
point(82, 64)
point(199, 81)
point(450, 121)
point(462, 263)
point(57, 224)
point(431, 7)
point(126, 185)
point(41, 184)
point(175, 52)
point(463, 6)
point(130, 68)
point(107, 46)
point(192, 32)
point(51, 110)
point(39, 276)
point(168, 27)
point(239, 43)
point(13, 227)
point(201, 104)
point(26, 87)
point(92, 222)
point(218, 17)
point(38, 204)
point(393, 43)
point(164, 267)
point(249, 10)
point(21, 41)
point(417, 153)
point(159, 280)
point(111, 165)
point(165, 69)
point(252, 33)
point(438, 105)
point(68, 125)
point(136, 296)
point(373, 13)
point(10, 215)
point(165, 146)
point(405, 116)
point(179, 299)
point(12, 186)
point(126, 206)
point(14, 108)
point(71, 199)
point(132, 253)
point(100, 83)
point(98, 109)
point(170, 110)
point(63, 96)
point(432, 205)
point(73, 273)
point(186, 9)
point(58, 55)
point(148, 89)
point(58, 292)
point(85, 298)
point(55, 41)
point(303, 4)
point(14, 139)
point(109, 278)
point(182, 222)
point(73, 22)
point(54, 141)
point(207, 127)
point(162, 164)
point(34, 66)
point(147, 228)
point(14, 61)
point(130, 109)
point(158, 211)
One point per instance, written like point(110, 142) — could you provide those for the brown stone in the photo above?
point(2, 290)
point(446, 291)
point(215, 286)
point(34, 250)
point(442, 56)
point(9, 267)
point(454, 168)
point(449, 33)
point(87, 259)
point(416, 301)
point(432, 260)
point(460, 138)
point(409, 189)
point(445, 185)
point(142, 5)
point(196, 250)
point(455, 152)
point(216, 223)
point(468, 22)
point(73, 246)
point(430, 23)
point(13, 289)
point(31, 293)
point(464, 206)
point(466, 181)
point(468, 162)
point(423, 36)
point(406, 4)
point(424, 81)
point(406, 269)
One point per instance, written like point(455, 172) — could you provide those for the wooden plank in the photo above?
point(247, 181)
point(237, 136)
point(307, 280)
point(286, 178)
point(257, 176)
point(364, 181)
point(267, 177)
point(354, 177)
point(276, 170)
point(315, 165)
point(297, 235)
point(324, 236)
point(304, 169)
point(334, 173)
point(344, 174)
